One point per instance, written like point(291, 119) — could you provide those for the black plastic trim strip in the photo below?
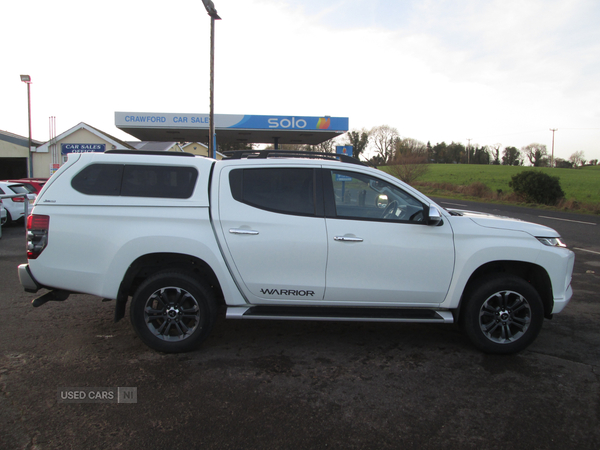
point(264, 154)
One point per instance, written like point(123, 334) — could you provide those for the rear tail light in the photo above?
point(18, 199)
point(37, 235)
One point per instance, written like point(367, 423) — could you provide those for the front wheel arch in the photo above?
point(531, 273)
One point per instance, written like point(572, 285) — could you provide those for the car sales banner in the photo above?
point(82, 148)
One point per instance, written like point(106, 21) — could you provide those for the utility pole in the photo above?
point(552, 158)
point(468, 152)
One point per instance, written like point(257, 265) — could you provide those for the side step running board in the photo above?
point(328, 313)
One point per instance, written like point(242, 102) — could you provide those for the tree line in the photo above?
point(389, 148)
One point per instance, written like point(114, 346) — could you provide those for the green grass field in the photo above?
point(581, 185)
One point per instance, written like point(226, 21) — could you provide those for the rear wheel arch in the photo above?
point(148, 265)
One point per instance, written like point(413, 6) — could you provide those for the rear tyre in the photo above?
point(172, 312)
point(502, 314)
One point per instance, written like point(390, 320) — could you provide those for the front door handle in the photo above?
point(347, 239)
point(242, 231)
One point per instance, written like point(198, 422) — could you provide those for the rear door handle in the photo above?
point(347, 239)
point(242, 231)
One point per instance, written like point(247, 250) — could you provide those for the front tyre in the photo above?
point(172, 312)
point(502, 314)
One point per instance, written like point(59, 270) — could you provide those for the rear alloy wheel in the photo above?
point(172, 312)
point(503, 314)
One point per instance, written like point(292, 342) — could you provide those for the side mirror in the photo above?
point(435, 217)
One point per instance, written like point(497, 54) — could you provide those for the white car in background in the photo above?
point(15, 207)
point(3, 215)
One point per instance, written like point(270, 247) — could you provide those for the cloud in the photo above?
point(438, 70)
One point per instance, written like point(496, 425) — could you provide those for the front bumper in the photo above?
point(560, 303)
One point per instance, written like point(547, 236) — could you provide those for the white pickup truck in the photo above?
point(284, 236)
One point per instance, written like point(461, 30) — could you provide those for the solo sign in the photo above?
point(322, 123)
point(286, 123)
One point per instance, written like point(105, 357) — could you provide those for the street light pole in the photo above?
point(552, 159)
point(27, 79)
point(468, 151)
point(212, 139)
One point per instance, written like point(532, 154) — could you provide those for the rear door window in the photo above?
point(281, 190)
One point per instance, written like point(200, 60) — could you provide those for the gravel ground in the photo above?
point(292, 385)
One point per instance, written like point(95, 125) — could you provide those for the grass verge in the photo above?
point(490, 183)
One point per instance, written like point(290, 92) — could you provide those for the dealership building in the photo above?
point(164, 132)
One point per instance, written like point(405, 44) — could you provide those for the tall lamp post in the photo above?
point(552, 159)
point(212, 139)
point(27, 79)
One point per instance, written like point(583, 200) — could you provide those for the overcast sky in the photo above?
point(493, 71)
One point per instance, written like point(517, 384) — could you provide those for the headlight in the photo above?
point(552, 241)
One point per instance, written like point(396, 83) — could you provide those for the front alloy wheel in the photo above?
point(505, 317)
point(502, 314)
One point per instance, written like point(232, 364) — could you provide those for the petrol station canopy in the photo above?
point(231, 128)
